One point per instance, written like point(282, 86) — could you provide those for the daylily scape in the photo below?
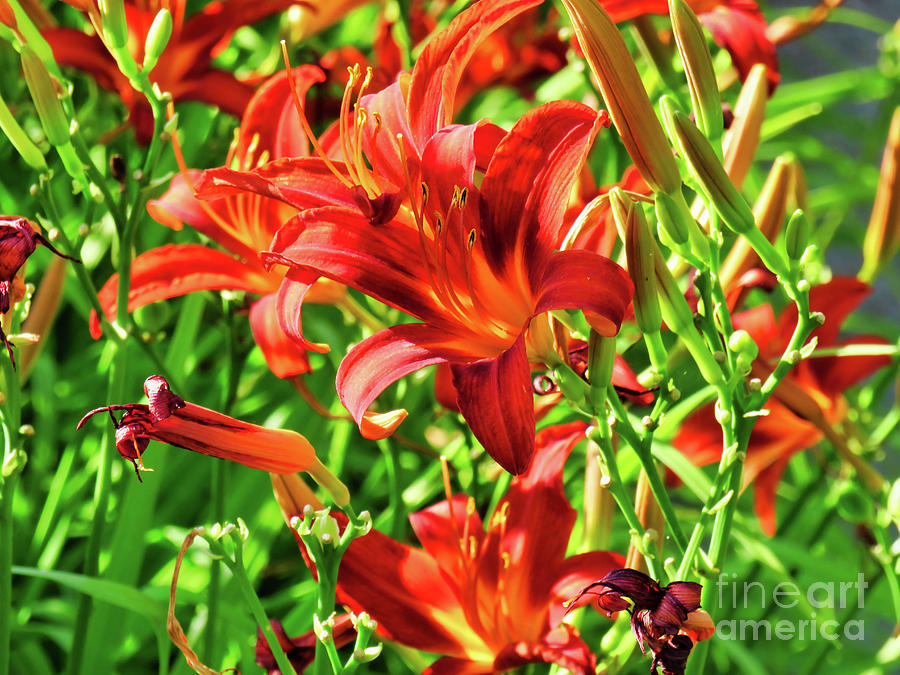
point(473, 316)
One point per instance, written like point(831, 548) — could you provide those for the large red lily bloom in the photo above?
point(488, 599)
point(813, 385)
point(242, 223)
point(184, 69)
point(458, 227)
point(479, 271)
point(736, 25)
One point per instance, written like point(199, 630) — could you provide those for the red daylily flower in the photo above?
point(168, 418)
point(736, 25)
point(488, 600)
point(807, 404)
point(473, 259)
point(242, 223)
point(184, 69)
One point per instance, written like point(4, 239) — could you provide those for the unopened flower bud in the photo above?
point(698, 68)
point(83, 230)
point(115, 28)
point(367, 654)
point(883, 234)
point(740, 342)
point(624, 94)
point(26, 430)
point(20, 140)
point(742, 138)
point(157, 39)
point(45, 95)
point(723, 416)
point(797, 237)
point(639, 251)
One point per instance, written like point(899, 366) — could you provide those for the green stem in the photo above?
point(10, 421)
point(641, 446)
point(601, 436)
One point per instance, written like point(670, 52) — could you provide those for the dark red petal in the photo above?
point(528, 183)
point(436, 75)
point(496, 398)
point(379, 361)
point(583, 280)
point(284, 357)
point(687, 593)
point(86, 52)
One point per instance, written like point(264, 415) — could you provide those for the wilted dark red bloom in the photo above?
point(487, 596)
point(807, 403)
point(300, 650)
point(169, 419)
point(18, 240)
point(667, 619)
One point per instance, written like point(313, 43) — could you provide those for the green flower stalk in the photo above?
point(45, 95)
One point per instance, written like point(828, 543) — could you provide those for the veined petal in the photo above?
point(535, 534)
point(289, 305)
point(389, 106)
point(303, 182)
point(179, 206)
point(436, 75)
point(178, 269)
point(403, 589)
point(495, 397)
point(283, 356)
point(583, 280)
point(211, 433)
point(449, 531)
point(381, 261)
point(270, 121)
point(528, 183)
point(382, 359)
point(449, 665)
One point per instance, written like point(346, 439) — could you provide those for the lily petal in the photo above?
point(382, 359)
point(283, 356)
point(178, 269)
point(583, 280)
point(496, 399)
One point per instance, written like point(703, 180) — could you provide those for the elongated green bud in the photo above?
point(20, 140)
point(157, 39)
point(639, 253)
point(797, 237)
point(624, 94)
point(115, 26)
point(698, 68)
point(671, 229)
point(601, 356)
point(46, 97)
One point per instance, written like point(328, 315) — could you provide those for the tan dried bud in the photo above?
point(742, 138)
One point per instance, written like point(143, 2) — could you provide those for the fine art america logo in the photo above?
point(821, 595)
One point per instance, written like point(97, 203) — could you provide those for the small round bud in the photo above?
point(605, 481)
point(83, 230)
point(649, 378)
point(26, 430)
point(740, 342)
point(755, 384)
point(33, 190)
point(719, 356)
point(647, 422)
point(793, 357)
point(723, 417)
point(674, 394)
point(295, 522)
point(803, 285)
point(818, 317)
